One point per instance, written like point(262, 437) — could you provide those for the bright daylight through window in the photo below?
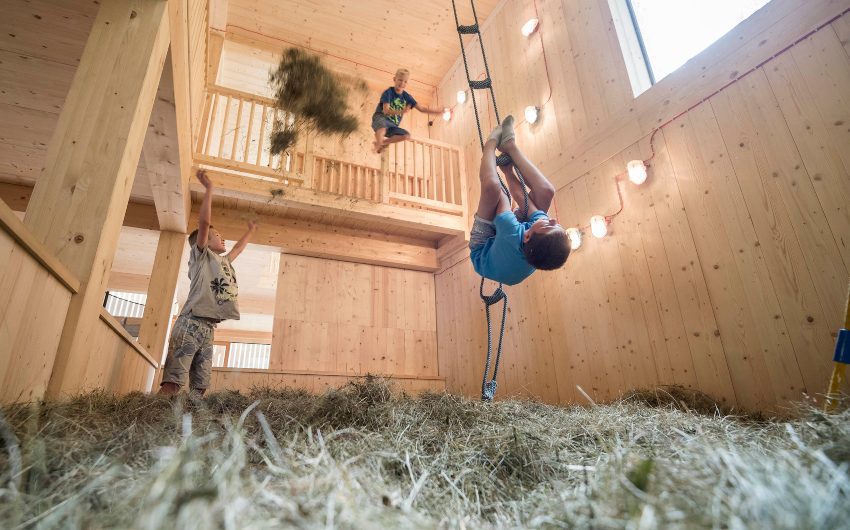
point(673, 31)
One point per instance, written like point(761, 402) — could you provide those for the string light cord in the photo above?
point(647, 162)
point(655, 131)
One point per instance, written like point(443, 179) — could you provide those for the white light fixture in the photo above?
point(598, 226)
point(461, 96)
point(447, 115)
point(529, 27)
point(574, 235)
point(637, 171)
point(531, 113)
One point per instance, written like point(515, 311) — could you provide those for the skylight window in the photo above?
point(666, 33)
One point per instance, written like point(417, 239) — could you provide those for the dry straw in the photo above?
point(311, 98)
point(365, 457)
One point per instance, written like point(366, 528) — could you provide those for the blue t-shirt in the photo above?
point(501, 258)
point(396, 102)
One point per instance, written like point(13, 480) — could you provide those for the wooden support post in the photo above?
point(157, 315)
point(169, 188)
point(79, 201)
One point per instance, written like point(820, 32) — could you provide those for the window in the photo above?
point(659, 36)
point(241, 355)
point(122, 305)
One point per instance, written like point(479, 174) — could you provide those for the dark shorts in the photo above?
point(380, 121)
point(482, 230)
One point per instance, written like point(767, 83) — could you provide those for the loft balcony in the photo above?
point(419, 189)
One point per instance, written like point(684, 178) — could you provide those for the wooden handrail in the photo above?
point(20, 233)
point(110, 321)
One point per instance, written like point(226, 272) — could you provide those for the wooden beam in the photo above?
point(240, 187)
point(295, 237)
point(79, 200)
point(319, 241)
point(137, 215)
point(10, 223)
point(163, 283)
point(161, 154)
point(180, 55)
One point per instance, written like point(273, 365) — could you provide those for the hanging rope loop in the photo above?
point(488, 388)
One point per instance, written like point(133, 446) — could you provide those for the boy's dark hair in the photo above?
point(547, 251)
point(193, 237)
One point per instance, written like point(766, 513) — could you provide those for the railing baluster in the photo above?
point(415, 187)
point(210, 127)
point(453, 174)
point(395, 172)
point(248, 134)
point(262, 136)
point(430, 180)
point(442, 174)
point(224, 127)
point(237, 131)
point(405, 167)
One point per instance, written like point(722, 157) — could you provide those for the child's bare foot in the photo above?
point(508, 133)
point(377, 147)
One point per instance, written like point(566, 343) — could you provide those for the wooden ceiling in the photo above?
point(377, 36)
point(40, 47)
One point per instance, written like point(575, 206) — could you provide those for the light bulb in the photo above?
point(461, 96)
point(447, 115)
point(529, 27)
point(598, 226)
point(637, 171)
point(531, 113)
point(574, 235)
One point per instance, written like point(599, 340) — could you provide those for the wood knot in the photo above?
point(79, 238)
point(133, 14)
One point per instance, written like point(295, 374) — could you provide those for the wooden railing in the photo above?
point(426, 173)
point(236, 134)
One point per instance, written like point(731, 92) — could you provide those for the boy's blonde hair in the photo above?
point(402, 72)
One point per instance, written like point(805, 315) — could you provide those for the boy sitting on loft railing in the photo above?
point(394, 104)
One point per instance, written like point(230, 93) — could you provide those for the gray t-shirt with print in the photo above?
point(213, 289)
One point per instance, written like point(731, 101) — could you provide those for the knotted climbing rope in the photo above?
point(488, 388)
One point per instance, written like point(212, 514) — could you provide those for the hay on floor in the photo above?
point(365, 457)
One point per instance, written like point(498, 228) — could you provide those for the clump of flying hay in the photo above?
point(364, 457)
point(311, 97)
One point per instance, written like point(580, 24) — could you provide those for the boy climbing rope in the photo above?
point(502, 247)
point(212, 298)
point(394, 104)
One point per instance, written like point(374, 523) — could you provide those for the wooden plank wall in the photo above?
point(117, 363)
point(727, 270)
point(350, 318)
point(33, 305)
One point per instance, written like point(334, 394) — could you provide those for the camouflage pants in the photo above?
point(190, 351)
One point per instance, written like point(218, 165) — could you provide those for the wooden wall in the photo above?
point(727, 271)
point(33, 305)
point(117, 364)
point(35, 292)
point(350, 318)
